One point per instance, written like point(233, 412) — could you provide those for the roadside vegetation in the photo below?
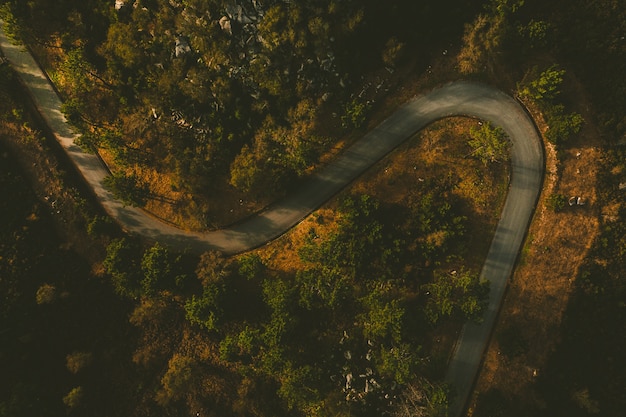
point(206, 111)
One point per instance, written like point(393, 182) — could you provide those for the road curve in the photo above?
point(457, 98)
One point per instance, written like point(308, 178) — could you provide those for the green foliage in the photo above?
point(423, 399)
point(46, 294)
point(504, 7)
point(544, 87)
point(250, 266)
point(489, 143)
point(280, 151)
point(456, 295)
point(556, 202)
point(100, 225)
point(77, 72)
point(383, 320)
point(393, 52)
point(177, 379)
point(398, 362)
point(205, 310)
point(536, 32)
point(77, 361)
point(295, 388)
point(12, 27)
point(561, 126)
point(120, 263)
point(73, 109)
point(583, 399)
point(156, 266)
point(355, 114)
point(122, 44)
point(482, 41)
point(129, 189)
point(74, 398)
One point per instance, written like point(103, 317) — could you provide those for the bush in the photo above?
point(556, 202)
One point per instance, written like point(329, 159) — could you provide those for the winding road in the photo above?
point(457, 98)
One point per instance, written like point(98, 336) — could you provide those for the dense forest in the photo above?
point(222, 98)
point(194, 102)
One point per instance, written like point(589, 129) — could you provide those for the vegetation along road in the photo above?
point(458, 98)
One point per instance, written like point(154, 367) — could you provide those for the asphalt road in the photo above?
point(457, 98)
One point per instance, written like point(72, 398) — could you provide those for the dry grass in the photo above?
point(541, 286)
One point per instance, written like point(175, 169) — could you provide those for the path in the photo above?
point(458, 98)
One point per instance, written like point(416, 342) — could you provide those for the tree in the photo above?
point(561, 125)
point(485, 40)
point(583, 400)
point(46, 294)
point(121, 43)
point(74, 398)
point(121, 265)
point(544, 87)
point(556, 202)
point(481, 43)
point(536, 32)
point(423, 399)
point(460, 295)
point(383, 320)
point(399, 362)
point(77, 361)
point(355, 114)
point(78, 74)
point(156, 265)
point(489, 144)
point(178, 378)
point(250, 266)
point(248, 169)
point(130, 189)
point(393, 52)
point(205, 310)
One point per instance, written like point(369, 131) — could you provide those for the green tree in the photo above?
point(544, 87)
point(399, 362)
point(489, 143)
point(120, 263)
point(74, 398)
point(556, 202)
point(205, 310)
point(561, 126)
point(355, 114)
point(393, 52)
point(129, 189)
point(122, 44)
point(77, 361)
point(481, 43)
point(383, 320)
point(178, 378)
point(460, 295)
point(156, 266)
point(250, 266)
point(536, 32)
point(46, 294)
point(423, 399)
point(78, 74)
point(296, 390)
